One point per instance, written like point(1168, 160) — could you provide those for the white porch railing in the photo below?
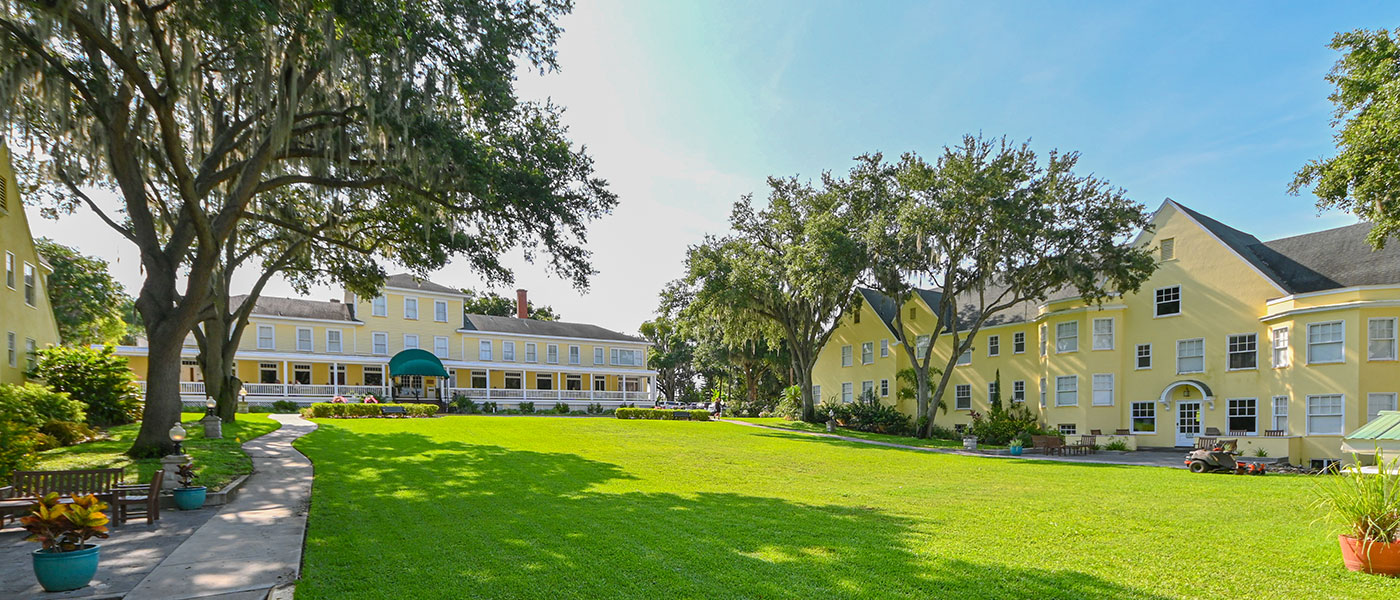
point(570, 396)
point(267, 392)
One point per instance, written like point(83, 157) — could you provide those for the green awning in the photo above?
point(416, 362)
point(1383, 432)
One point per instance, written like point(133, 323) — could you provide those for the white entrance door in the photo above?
point(1188, 422)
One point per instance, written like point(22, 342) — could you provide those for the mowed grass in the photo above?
point(877, 437)
point(217, 462)
point(519, 507)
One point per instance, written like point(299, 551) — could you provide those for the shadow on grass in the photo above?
point(401, 515)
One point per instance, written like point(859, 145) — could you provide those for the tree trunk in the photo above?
point(162, 392)
point(937, 396)
point(922, 400)
point(804, 378)
point(216, 353)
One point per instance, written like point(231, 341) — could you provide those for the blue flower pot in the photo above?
point(1016, 450)
point(190, 498)
point(63, 571)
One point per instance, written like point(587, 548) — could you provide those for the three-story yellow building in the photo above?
point(311, 351)
point(26, 317)
point(1287, 345)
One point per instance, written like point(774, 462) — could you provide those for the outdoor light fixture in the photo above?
point(1186, 393)
point(209, 406)
point(177, 435)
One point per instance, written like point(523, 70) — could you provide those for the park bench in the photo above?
point(1048, 444)
point(393, 410)
point(144, 496)
point(29, 486)
point(1086, 444)
point(1205, 442)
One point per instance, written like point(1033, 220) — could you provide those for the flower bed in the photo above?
point(339, 410)
point(663, 414)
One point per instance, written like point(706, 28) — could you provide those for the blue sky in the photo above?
point(687, 105)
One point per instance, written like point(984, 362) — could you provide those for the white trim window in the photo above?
point(1069, 429)
point(379, 343)
point(1377, 402)
point(410, 341)
point(374, 375)
point(1242, 414)
point(1144, 356)
point(531, 352)
point(508, 350)
point(304, 343)
point(921, 344)
point(884, 388)
point(993, 345)
point(1190, 356)
point(1167, 301)
point(1326, 342)
point(485, 350)
point(575, 355)
point(29, 284)
point(1243, 351)
point(1044, 337)
point(10, 270)
point(267, 339)
point(1103, 389)
point(965, 358)
point(268, 372)
point(1280, 406)
point(11, 348)
point(867, 353)
point(993, 392)
point(598, 355)
point(846, 392)
point(410, 308)
point(1018, 342)
point(1326, 414)
point(867, 389)
point(962, 397)
point(1103, 334)
point(1380, 339)
point(1018, 390)
point(440, 346)
point(440, 311)
point(816, 394)
point(31, 347)
point(379, 307)
point(1043, 388)
point(884, 348)
point(846, 356)
point(551, 354)
point(334, 341)
point(1067, 390)
point(1066, 337)
point(1279, 346)
point(1143, 416)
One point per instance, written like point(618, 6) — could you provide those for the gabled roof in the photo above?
point(408, 281)
point(298, 308)
point(882, 305)
point(1242, 243)
point(513, 325)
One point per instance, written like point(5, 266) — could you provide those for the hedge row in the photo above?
point(663, 414)
point(322, 410)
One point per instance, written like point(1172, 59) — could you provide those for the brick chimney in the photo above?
point(521, 305)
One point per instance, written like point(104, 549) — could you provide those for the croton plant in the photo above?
point(66, 526)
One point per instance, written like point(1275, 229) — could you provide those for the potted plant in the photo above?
point(66, 561)
point(1016, 447)
point(188, 496)
point(1366, 507)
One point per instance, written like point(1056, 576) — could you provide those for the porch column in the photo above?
point(286, 378)
point(488, 384)
point(335, 378)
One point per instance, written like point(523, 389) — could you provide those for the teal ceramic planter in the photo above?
point(190, 498)
point(1016, 450)
point(63, 571)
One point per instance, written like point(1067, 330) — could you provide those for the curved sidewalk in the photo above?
point(253, 544)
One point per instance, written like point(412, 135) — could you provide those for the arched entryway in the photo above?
point(409, 368)
point(1186, 408)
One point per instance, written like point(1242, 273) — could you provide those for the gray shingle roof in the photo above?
point(409, 282)
point(1242, 243)
point(562, 329)
point(297, 308)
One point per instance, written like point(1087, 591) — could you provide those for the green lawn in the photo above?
point(878, 437)
point(518, 507)
point(216, 461)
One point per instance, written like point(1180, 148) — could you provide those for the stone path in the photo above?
point(1166, 457)
point(253, 544)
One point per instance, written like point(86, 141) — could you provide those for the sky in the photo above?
point(687, 106)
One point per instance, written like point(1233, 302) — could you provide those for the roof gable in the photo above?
point(407, 281)
point(1238, 242)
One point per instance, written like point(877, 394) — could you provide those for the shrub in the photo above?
point(789, 404)
point(100, 380)
point(285, 407)
point(940, 432)
point(869, 414)
point(17, 445)
point(662, 414)
point(595, 409)
point(326, 410)
point(1364, 506)
point(561, 408)
point(999, 426)
point(466, 405)
point(490, 407)
point(33, 405)
point(1118, 445)
point(67, 433)
point(527, 408)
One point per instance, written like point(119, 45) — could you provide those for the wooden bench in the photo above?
point(393, 410)
point(1086, 444)
point(1275, 433)
point(1048, 444)
point(29, 486)
point(1205, 443)
point(146, 497)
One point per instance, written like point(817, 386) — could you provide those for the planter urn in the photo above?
point(1016, 450)
point(63, 571)
point(970, 442)
point(1377, 558)
point(190, 498)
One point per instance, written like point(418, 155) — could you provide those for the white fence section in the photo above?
point(267, 393)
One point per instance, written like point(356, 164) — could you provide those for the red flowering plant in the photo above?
point(338, 400)
point(370, 399)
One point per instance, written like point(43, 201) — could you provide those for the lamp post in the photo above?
point(172, 462)
point(213, 425)
point(242, 399)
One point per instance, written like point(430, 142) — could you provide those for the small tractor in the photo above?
point(1221, 458)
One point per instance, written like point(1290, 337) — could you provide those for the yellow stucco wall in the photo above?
point(20, 319)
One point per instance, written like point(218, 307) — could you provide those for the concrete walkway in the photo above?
point(1166, 457)
point(253, 544)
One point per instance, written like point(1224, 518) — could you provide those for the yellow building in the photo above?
point(1287, 345)
point(311, 351)
point(26, 317)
